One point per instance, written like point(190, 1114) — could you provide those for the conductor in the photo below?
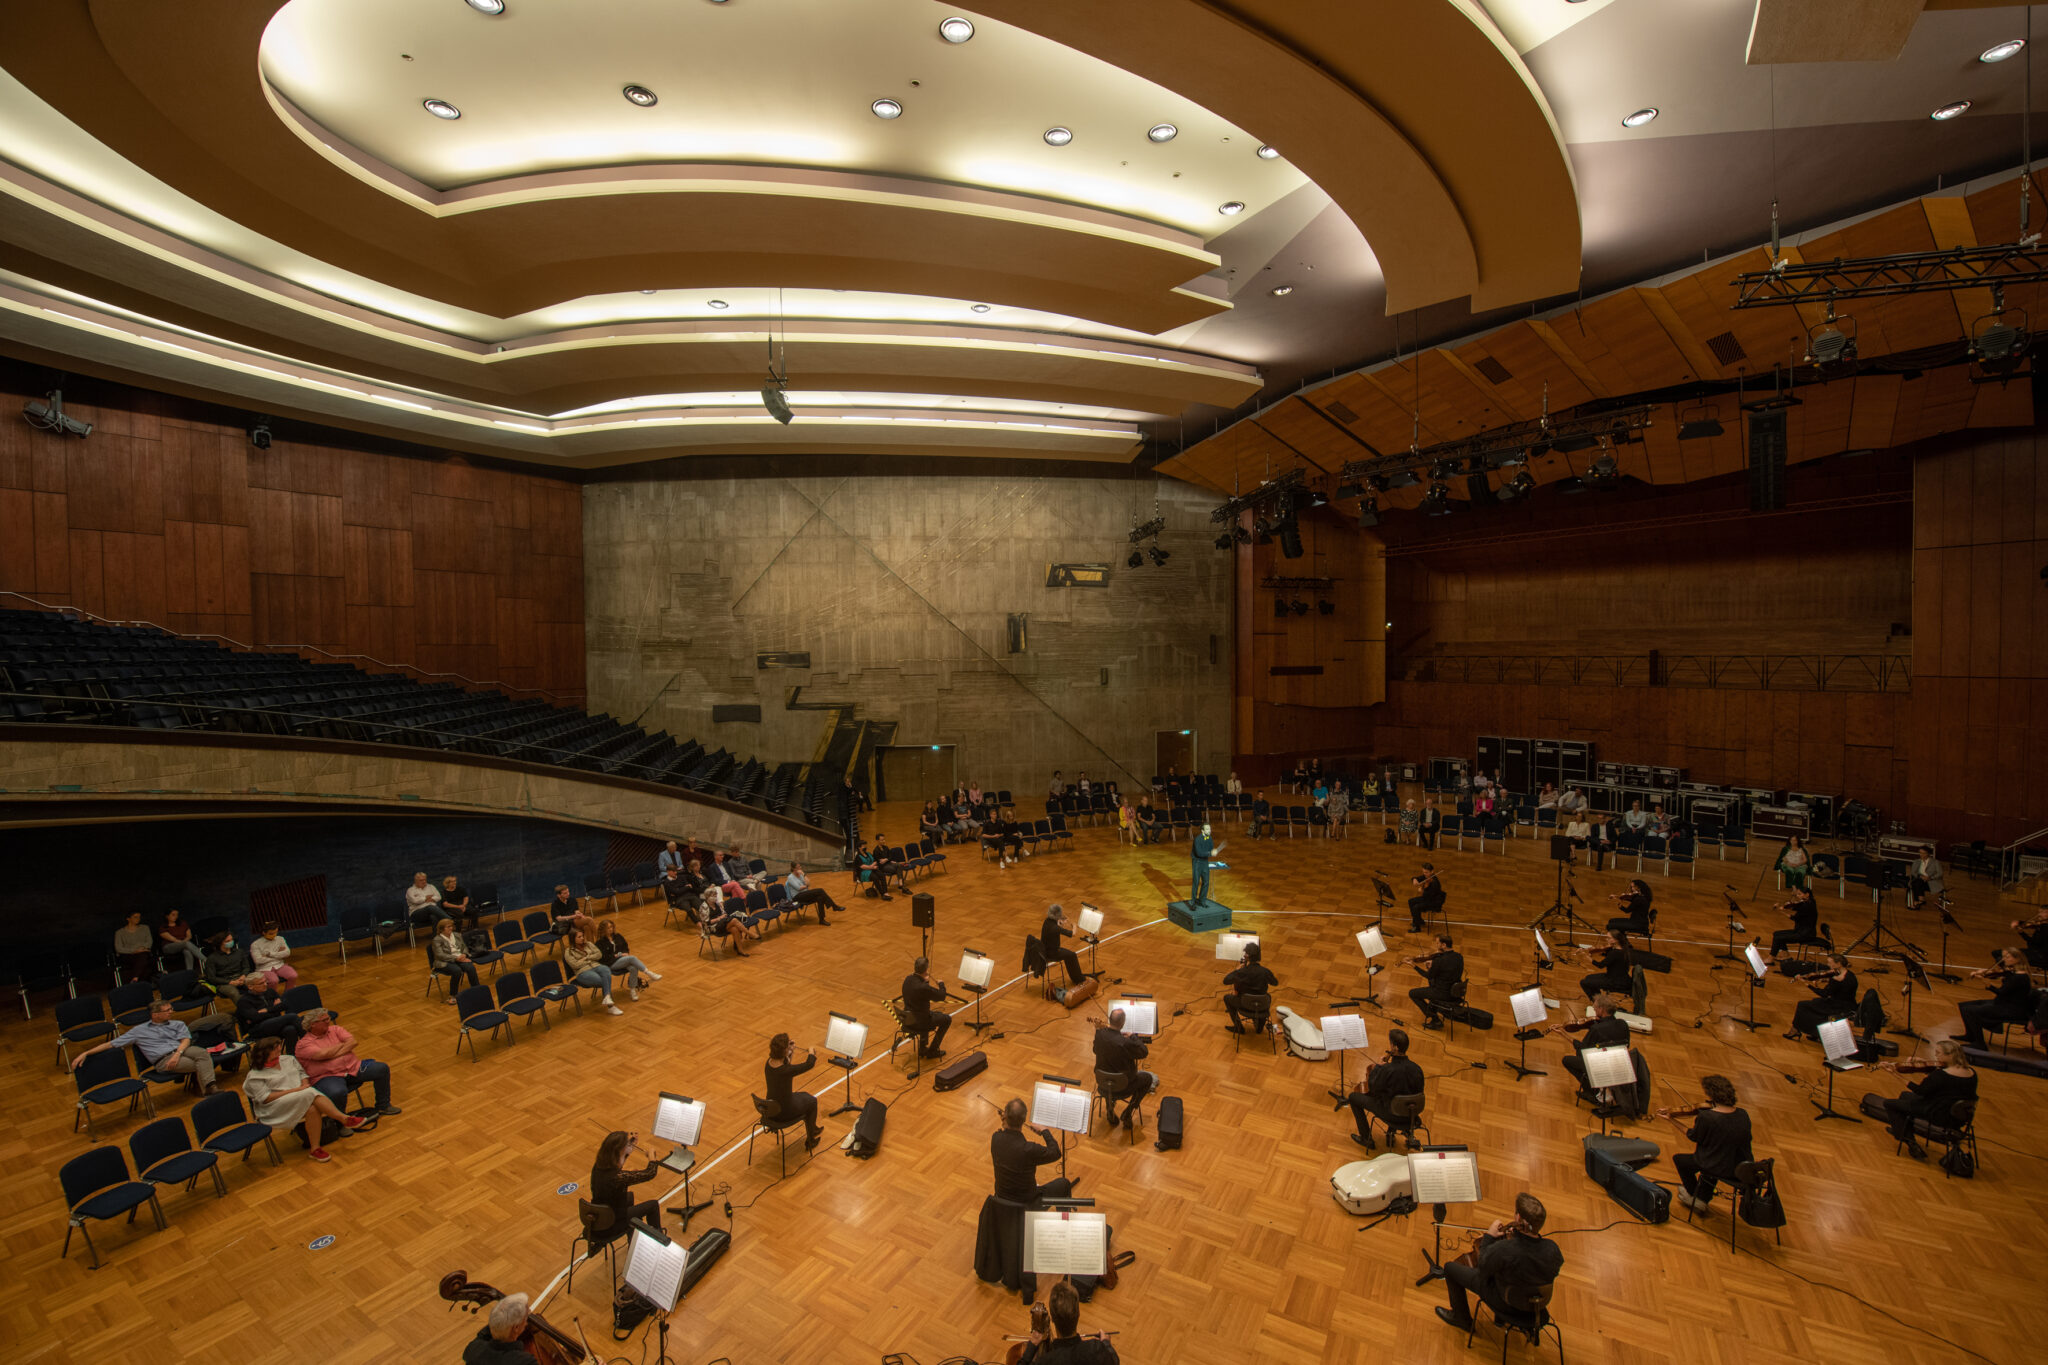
point(920, 993)
point(1200, 851)
point(1428, 900)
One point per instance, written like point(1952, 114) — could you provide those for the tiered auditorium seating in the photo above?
point(57, 669)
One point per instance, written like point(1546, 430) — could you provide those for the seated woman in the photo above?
point(1834, 991)
point(135, 948)
point(455, 901)
point(1794, 863)
point(450, 956)
point(929, 825)
point(268, 953)
point(1634, 905)
point(227, 963)
point(1933, 1099)
point(1411, 822)
point(1611, 975)
point(611, 1185)
point(174, 936)
point(585, 966)
point(1804, 913)
point(789, 1102)
point(281, 1095)
point(1579, 831)
point(612, 952)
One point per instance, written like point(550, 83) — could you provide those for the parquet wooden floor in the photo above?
point(1242, 1255)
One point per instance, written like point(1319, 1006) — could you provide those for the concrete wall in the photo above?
point(900, 588)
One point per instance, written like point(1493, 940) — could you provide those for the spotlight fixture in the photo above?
point(1325, 607)
point(957, 29)
point(1158, 555)
point(1137, 559)
point(441, 109)
point(1998, 52)
point(1952, 109)
point(1437, 501)
point(775, 398)
point(886, 109)
point(259, 435)
point(1280, 608)
point(1348, 490)
point(1443, 469)
point(1378, 483)
point(1828, 344)
point(640, 95)
point(1268, 153)
point(1281, 291)
point(1243, 536)
point(1298, 607)
point(1162, 132)
point(1638, 118)
point(1604, 473)
point(1998, 340)
point(48, 415)
point(1368, 512)
point(1402, 478)
point(1058, 137)
point(1520, 486)
point(979, 308)
point(716, 303)
point(1225, 541)
point(1231, 209)
point(497, 7)
point(1317, 499)
point(1697, 424)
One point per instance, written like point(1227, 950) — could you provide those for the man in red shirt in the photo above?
point(328, 1052)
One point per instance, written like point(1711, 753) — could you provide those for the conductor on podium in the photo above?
point(1200, 852)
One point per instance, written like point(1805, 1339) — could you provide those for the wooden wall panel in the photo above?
point(163, 515)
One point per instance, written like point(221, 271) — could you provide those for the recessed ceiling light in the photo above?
point(957, 29)
point(1281, 291)
point(1058, 137)
point(493, 7)
point(1639, 118)
point(647, 291)
point(441, 109)
point(1268, 153)
point(717, 303)
point(981, 308)
point(1162, 132)
point(1998, 52)
point(1231, 209)
point(1949, 111)
point(887, 109)
point(640, 95)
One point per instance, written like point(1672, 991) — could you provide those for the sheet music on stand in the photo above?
point(1141, 1017)
point(654, 1269)
point(976, 969)
point(678, 1119)
point(1066, 1242)
point(1089, 921)
point(845, 1035)
point(1543, 946)
point(1343, 1032)
point(1756, 962)
point(1230, 947)
point(1060, 1107)
point(1444, 1177)
point(1371, 943)
point(1838, 1040)
point(1528, 1007)
point(1608, 1067)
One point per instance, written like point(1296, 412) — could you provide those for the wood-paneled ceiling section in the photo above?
point(265, 174)
point(1656, 337)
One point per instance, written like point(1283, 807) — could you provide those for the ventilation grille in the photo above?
point(1340, 412)
point(1495, 372)
point(1727, 349)
point(293, 905)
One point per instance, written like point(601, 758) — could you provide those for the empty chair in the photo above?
point(478, 1009)
point(164, 1155)
point(222, 1125)
point(183, 990)
point(106, 1078)
point(304, 998)
point(755, 908)
point(540, 931)
point(514, 998)
point(550, 985)
point(598, 887)
point(510, 940)
point(1062, 836)
point(83, 1020)
point(129, 1004)
point(97, 1186)
point(483, 900)
point(1682, 853)
point(358, 926)
point(504, 934)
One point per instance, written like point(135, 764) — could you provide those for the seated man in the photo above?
point(964, 825)
point(1017, 1158)
point(926, 1024)
point(1428, 900)
point(1055, 925)
point(260, 1011)
point(1150, 821)
point(1262, 816)
point(498, 1343)
point(1251, 977)
point(422, 901)
point(1514, 1261)
point(671, 860)
point(1383, 1082)
point(165, 1045)
point(800, 891)
point(328, 1052)
point(1444, 972)
point(1118, 1052)
point(1065, 1345)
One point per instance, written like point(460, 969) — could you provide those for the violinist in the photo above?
point(1804, 913)
point(1049, 934)
point(1720, 1138)
point(1428, 898)
point(1634, 905)
point(1064, 1343)
point(1602, 1030)
point(1611, 975)
point(1390, 1076)
point(1950, 1080)
point(1444, 970)
point(1834, 992)
point(1251, 978)
point(2034, 933)
point(1509, 1263)
point(504, 1337)
point(2013, 1003)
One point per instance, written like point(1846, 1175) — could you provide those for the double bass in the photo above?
point(549, 1346)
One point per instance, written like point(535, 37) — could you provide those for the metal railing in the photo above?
point(1749, 672)
point(2009, 859)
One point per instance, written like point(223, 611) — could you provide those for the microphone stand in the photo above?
point(1948, 922)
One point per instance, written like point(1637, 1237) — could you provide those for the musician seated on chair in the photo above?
point(1634, 905)
point(611, 1185)
point(1804, 913)
point(1834, 991)
point(1511, 1262)
point(1065, 1345)
point(1720, 1138)
point(1391, 1076)
point(1117, 1051)
point(1049, 933)
point(1428, 900)
point(789, 1102)
point(920, 1020)
point(1252, 977)
point(1611, 974)
point(1603, 1031)
point(1950, 1080)
point(499, 1340)
point(1444, 971)
point(1017, 1159)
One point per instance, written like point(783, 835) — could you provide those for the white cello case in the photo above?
point(1369, 1186)
point(1304, 1036)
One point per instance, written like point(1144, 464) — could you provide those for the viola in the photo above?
point(1909, 1067)
point(548, 1346)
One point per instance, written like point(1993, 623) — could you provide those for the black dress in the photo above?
point(613, 1188)
point(1837, 1000)
point(1933, 1099)
point(788, 1101)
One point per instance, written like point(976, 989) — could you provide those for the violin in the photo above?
point(1685, 1112)
point(1579, 1026)
point(1910, 1067)
point(1421, 958)
point(1471, 1254)
point(548, 1346)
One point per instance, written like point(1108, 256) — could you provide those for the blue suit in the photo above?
point(1201, 850)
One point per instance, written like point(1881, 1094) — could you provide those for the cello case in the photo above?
point(1366, 1187)
point(1304, 1036)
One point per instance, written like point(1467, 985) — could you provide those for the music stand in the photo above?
point(1141, 1015)
point(1838, 1040)
point(1758, 969)
point(1874, 937)
point(976, 970)
point(655, 1264)
point(1916, 975)
point(1342, 1033)
point(1529, 1016)
point(1384, 896)
point(1064, 1105)
point(679, 1120)
point(1948, 922)
point(1373, 944)
point(1230, 946)
point(1089, 922)
point(1608, 1068)
point(1438, 1176)
point(847, 1037)
point(1065, 1240)
point(1734, 926)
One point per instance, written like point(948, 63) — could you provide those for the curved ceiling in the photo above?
point(249, 200)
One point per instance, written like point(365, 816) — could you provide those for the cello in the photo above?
point(549, 1346)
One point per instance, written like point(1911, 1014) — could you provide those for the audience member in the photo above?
point(929, 825)
point(1578, 831)
point(227, 965)
point(1636, 818)
point(281, 1095)
point(1572, 802)
point(328, 1052)
point(165, 1044)
point(450, 956)
point(1793, 862)
point(585, 966)
point(1411, 822)
point(801, 893)
point(1231, 785)
point(613, 952)
point(564, 906)
point(1338, 810)
point(1427, 822)
point(1262, 816)
point(135, 948)
point(261, 1013)
point(175, 936)
point(267, 953)
point(671, 860)
point(454, 903)
point(422, 900)
point(1546, 797)
point(1601, 841)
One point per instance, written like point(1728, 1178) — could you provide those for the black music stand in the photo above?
point(1916, 975)
point(1948, 922)
point(1383, 896)
point(1729, 954)
point(1828, 1110)
point(1874, 937)
point(1752, 1023)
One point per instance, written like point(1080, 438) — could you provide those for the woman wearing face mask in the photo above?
point(227, 962)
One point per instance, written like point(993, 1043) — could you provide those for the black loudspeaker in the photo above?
point(867, 1130)
point(1767, 461)
point(922, 911)
point(1560, 848)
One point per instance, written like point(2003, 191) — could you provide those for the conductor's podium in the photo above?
point(1199, 917)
